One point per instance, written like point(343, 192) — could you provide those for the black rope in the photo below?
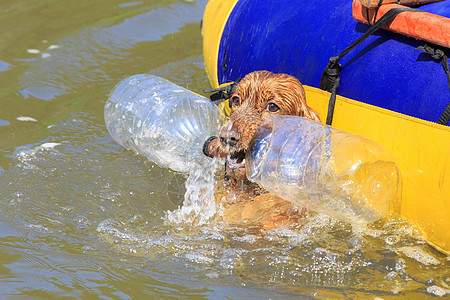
point(330, 82)
point(330, 77)
point(223, 93)
point(367, 10)
point(376, 12)
point(440, 56)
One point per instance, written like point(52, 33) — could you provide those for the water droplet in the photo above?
point(391, 275)
point(392, 239)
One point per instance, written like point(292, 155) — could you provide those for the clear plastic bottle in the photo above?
point(324, 169)
point(161, 120)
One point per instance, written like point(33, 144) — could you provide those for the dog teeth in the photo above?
point(234, 161)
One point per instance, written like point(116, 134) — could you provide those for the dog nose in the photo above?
point(230, 137)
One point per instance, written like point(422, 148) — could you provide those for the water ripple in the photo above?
point(86, 57)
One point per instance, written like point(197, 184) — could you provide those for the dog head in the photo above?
point(258, 96)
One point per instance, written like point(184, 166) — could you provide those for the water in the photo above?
point(80, 217)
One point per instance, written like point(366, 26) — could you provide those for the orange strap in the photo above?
point(419, 25)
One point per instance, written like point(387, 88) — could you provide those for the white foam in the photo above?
point(26, 119)
point(437, 291)
point(33, 51)
point(419, 255)
point(49, 145)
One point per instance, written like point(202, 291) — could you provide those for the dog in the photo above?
point(255, 98)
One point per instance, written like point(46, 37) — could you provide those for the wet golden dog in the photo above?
point(257, 96)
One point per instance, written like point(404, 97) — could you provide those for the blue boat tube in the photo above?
point(299, 37)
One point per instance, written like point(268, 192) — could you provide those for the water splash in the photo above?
point(199, 206)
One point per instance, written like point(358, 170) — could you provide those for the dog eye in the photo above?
point(235, 100)
point(272, 107)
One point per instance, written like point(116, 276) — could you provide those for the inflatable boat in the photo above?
point(393, 84)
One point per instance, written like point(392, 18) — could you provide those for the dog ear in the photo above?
point(309, 113)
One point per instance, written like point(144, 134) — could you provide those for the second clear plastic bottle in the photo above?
point(324, 169)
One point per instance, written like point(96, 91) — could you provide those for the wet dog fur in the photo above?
point(257, 96)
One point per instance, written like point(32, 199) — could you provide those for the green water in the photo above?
point(80, 217)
